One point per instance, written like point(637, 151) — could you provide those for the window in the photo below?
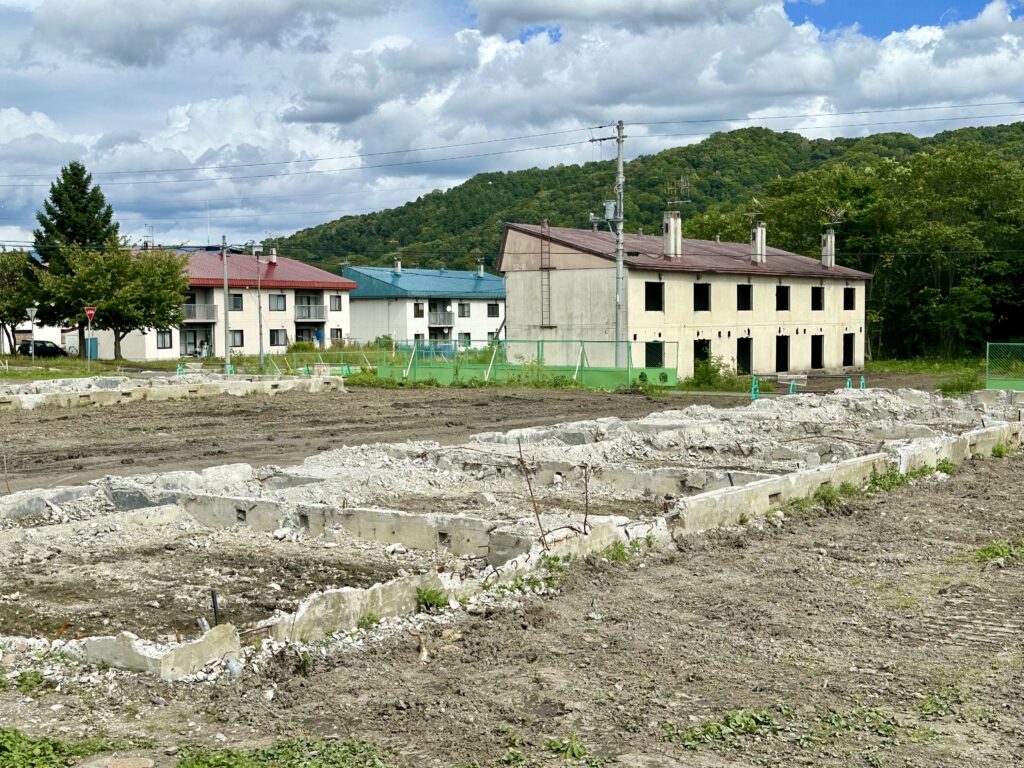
point(237, 339)
point(654, 298)
point(817, 298)
point(744, 355)
point(744, 297)
point(817, 352)
point(781, 298)
point(278, 337)
point(418, 337)
point(654, 353)
point(278, 303)
point(464, 337)
point(337, 335)
point(848, 342)
point(701, 350)
point(417, 309)
point(463, 309)
point(491, 335)
point(701, 297)
point(163, 339)
point(849, 298)
point(236, 302)
point(492, 309)
point(336, 303)
point(781, 354)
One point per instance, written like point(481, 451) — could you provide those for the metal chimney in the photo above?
point(672, 234)
point(828, 248)
point(480, 269)
point(398, 266)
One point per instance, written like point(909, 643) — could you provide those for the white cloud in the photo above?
point(145, 32)
point(412, 77)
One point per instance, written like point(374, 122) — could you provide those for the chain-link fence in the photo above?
point(1004, 366)
point(591, 364)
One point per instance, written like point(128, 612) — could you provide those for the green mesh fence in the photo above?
point(590, 364)
point(1004, 366)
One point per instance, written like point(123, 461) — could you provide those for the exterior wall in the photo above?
point(142, 346)
point(723, 324)
point(582, 304)
point(395, 317)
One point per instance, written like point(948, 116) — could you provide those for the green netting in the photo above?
point(590, 364)
point(1004, 367)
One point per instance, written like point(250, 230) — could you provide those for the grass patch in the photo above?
point(430, 599)
point(368, 622)
point(291, 753)
point(944, 703)
point(945, 466)
point(937, 366)
point(715, 375)
point(735, 726)
point(29, 681)
point(1000, 550)
point(616, 552)
point(1000, 451)
point(20, 751)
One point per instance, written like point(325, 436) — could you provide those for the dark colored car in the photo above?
point(43, 349)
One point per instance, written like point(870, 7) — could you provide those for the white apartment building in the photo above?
point(299, 303)
point(761, 310)
point(426, 304)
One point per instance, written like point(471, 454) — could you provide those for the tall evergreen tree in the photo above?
point(75, 215)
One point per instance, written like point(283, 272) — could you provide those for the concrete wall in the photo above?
point(582, 305)
point(724, 324)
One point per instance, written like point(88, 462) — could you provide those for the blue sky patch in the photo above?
point(878, 18)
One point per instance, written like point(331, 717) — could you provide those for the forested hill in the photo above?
point(938, 220)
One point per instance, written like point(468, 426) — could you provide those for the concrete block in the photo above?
point(127, 651)
point(221, 642)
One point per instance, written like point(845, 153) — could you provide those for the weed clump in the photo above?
point(368, 622)
point(1000, 451)
point(430, 599)
point(616, 552)
point(1000, 550)
point(945, 466)
point(291, 753)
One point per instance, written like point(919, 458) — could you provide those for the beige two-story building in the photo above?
point(761, 310)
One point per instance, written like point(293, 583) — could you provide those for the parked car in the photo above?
point(43, 349)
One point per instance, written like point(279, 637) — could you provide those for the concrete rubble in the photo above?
point(304, 554)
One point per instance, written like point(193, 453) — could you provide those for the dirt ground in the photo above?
point(868, 636)
point(60, 446)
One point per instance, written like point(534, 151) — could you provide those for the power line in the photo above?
point(828, 114)
point(316, 159)
point(201, 179)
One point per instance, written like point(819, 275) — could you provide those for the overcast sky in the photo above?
point(266, 116)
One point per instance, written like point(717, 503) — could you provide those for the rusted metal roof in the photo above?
point(205, 269)
point(710, 256)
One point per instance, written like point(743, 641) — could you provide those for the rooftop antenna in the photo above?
point(833, 215)
point(755, 212)
point(680, 189)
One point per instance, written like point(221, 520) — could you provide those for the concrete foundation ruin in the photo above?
point(119, 571)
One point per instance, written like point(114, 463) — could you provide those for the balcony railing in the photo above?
point(205, 313)
point(441, 319)
point(310, 312)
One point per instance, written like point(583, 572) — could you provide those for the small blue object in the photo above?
point(755, 390)
point(862, 382)
point(792, 387)
point(849, 383)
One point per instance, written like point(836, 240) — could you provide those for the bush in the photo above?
point(715, 375)
point(302, 346)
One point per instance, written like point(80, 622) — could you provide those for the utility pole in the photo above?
point(256, 251)
point(620, 218)
point(615, 213)
point(227, 306)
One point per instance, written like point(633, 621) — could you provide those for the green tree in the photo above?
point(18, 283)
point(131, 291)
point(76, 214)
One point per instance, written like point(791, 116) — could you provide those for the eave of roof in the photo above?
point(706, 256)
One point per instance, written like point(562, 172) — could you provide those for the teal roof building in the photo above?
point(384, 283)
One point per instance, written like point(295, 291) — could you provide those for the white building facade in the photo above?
point(297, 302)
point(760, 310)
point(436, 305)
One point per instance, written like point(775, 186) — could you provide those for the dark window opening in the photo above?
point(782, 298)
point(654, 354)
point(781, 354)
point(817, 298)
point(654, 297)
point(817, 352)
point(701, 350)
point(849, 298)
point(702, 297)
point(744, 298)
point(744, 355)
point(848, 348)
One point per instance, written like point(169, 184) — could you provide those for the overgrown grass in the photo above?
point(714, 375)
point(937, 366)
point(1000, 550)
point(21, 368)
point(1000, 451)
point(291, 753)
